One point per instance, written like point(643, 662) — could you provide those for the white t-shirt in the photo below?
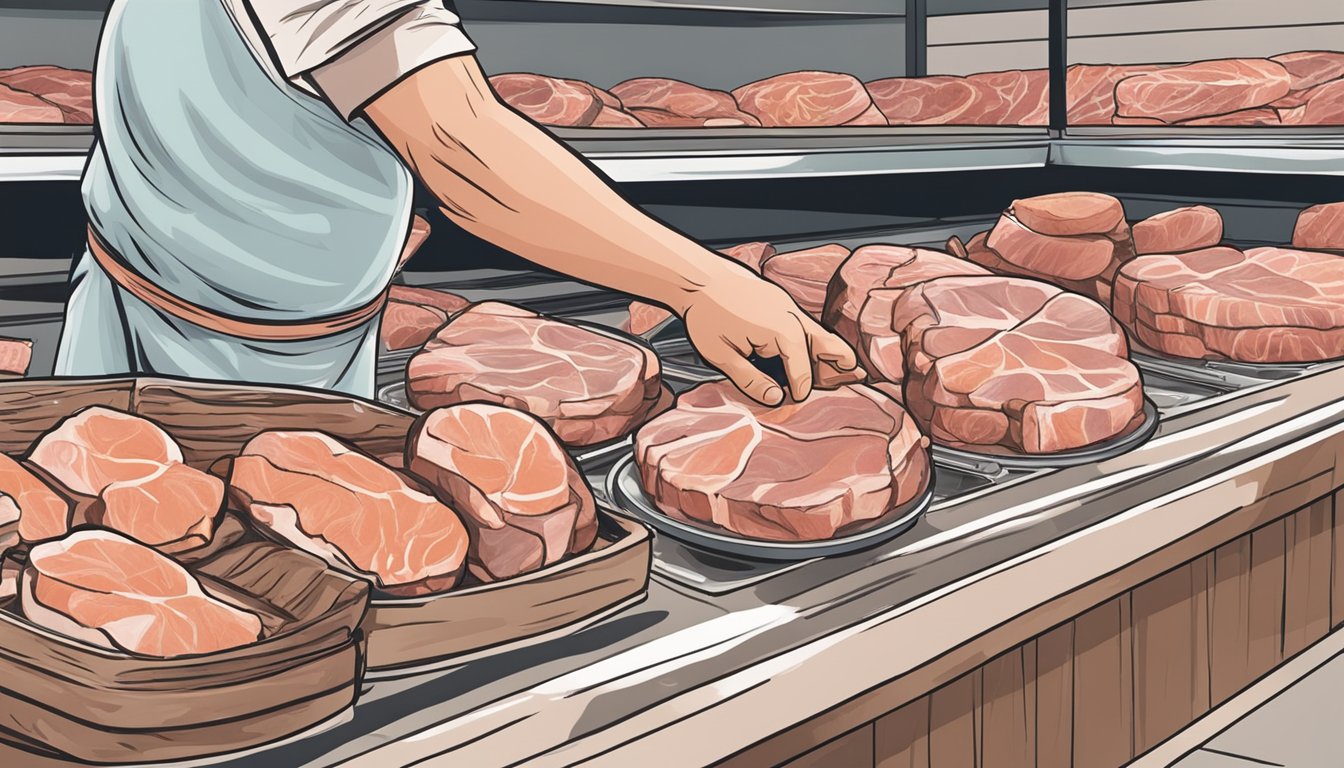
point(348, 51)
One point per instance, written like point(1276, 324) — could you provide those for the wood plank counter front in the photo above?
point(1077, 617)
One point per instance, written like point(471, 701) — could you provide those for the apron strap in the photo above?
point(257, 330)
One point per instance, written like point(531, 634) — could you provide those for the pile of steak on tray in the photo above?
point(840, 462)
point(46, 94)
point(1302, 88)
point(104, 506)
point(588, 386)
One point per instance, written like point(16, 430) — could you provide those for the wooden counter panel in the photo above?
point(1123, 676)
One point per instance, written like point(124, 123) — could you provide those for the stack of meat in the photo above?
point(89, 502)
point(986, 363)
point(46, 94)
point(839, 462)
point(588, 386)
point(104, 506)
point(414, 314)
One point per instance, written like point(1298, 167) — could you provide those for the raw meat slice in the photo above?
point(1257, 116)
point(1320, 227)
point(806, 98)
point(549, 100)
point(1182, 229)
point(523, 500)
point(1267, 305)
point(662, 102)
point(28, 501)
point(833, 464)
point(805, 274)
point(936, 100)
point(361, 516)
point(1069, 213)
point(645, 317)
point(874, 267)
point(23, 107)
point(15, 355)
point(99, 446)
point(1012, 97)
point(588, 387)
point(173, 510)
point(1073, 248)
point(614, 118)
point(1091, 90)
point(69, 89)
point(24, 498)
point(1001, 364)
point(1311, 68)
point(414, 314)
point(1202, 89)
point(1324, 105)
point(104, 589)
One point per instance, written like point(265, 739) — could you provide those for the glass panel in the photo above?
point(1206, 63)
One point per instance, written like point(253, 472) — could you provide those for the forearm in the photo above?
point(507, 181)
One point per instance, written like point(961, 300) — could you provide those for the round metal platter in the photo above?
point(625, 492)
point(1099, 452)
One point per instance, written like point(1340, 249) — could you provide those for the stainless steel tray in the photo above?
point(625, 492)
point(1100, 452)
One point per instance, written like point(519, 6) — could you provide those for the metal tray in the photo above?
point(1101, 452)
point(624, 490)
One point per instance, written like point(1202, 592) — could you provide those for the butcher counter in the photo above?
point(1078, 616)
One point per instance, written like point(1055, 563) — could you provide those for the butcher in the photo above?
point(249, 196)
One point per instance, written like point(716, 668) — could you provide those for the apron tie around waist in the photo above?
point(148, 292)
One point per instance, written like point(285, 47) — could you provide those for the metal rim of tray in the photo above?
point(1100, 452)
point(639, 506)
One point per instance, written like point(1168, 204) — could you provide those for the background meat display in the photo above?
point(45, 94)
point(838, 462)
point(1299, 88)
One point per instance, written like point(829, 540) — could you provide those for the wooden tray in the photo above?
point(212, 422)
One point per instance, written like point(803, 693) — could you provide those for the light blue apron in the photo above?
point(234, 192)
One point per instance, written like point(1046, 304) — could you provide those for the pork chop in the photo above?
point(1181, 229)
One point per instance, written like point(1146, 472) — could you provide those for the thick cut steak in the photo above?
point(549, 100)
point(22, 107)
point(1267, 305)
point(361, 516)
point(662, 102)
point(104, 589)
point(1091, 90)
point(1308, 69)
point(15, 355)
point(523, 500)
point(835, 463)
point(645, 317)
point(863, 290)
point(174, 509)
point(1076, 240)
point(937, 100)
point(610, 117)
point(800, 99)
point(1202, 89)
point(40, 512)
point(99, 446)
point(414, 314)
point(805, 274)
point(1320, 227)
point(1322, 105)
point(1012, 97)
point(69, 89)
point(587, 386)
point(1182, 229)
point(1001, 364)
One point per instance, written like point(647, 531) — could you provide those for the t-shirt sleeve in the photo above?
point(350, 51)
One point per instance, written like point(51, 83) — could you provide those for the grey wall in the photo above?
point(1136, 31)
point(64, 34)
point(716, 49)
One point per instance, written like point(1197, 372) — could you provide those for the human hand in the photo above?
point(740, 314)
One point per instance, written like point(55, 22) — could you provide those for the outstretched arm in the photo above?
point(507, 181)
